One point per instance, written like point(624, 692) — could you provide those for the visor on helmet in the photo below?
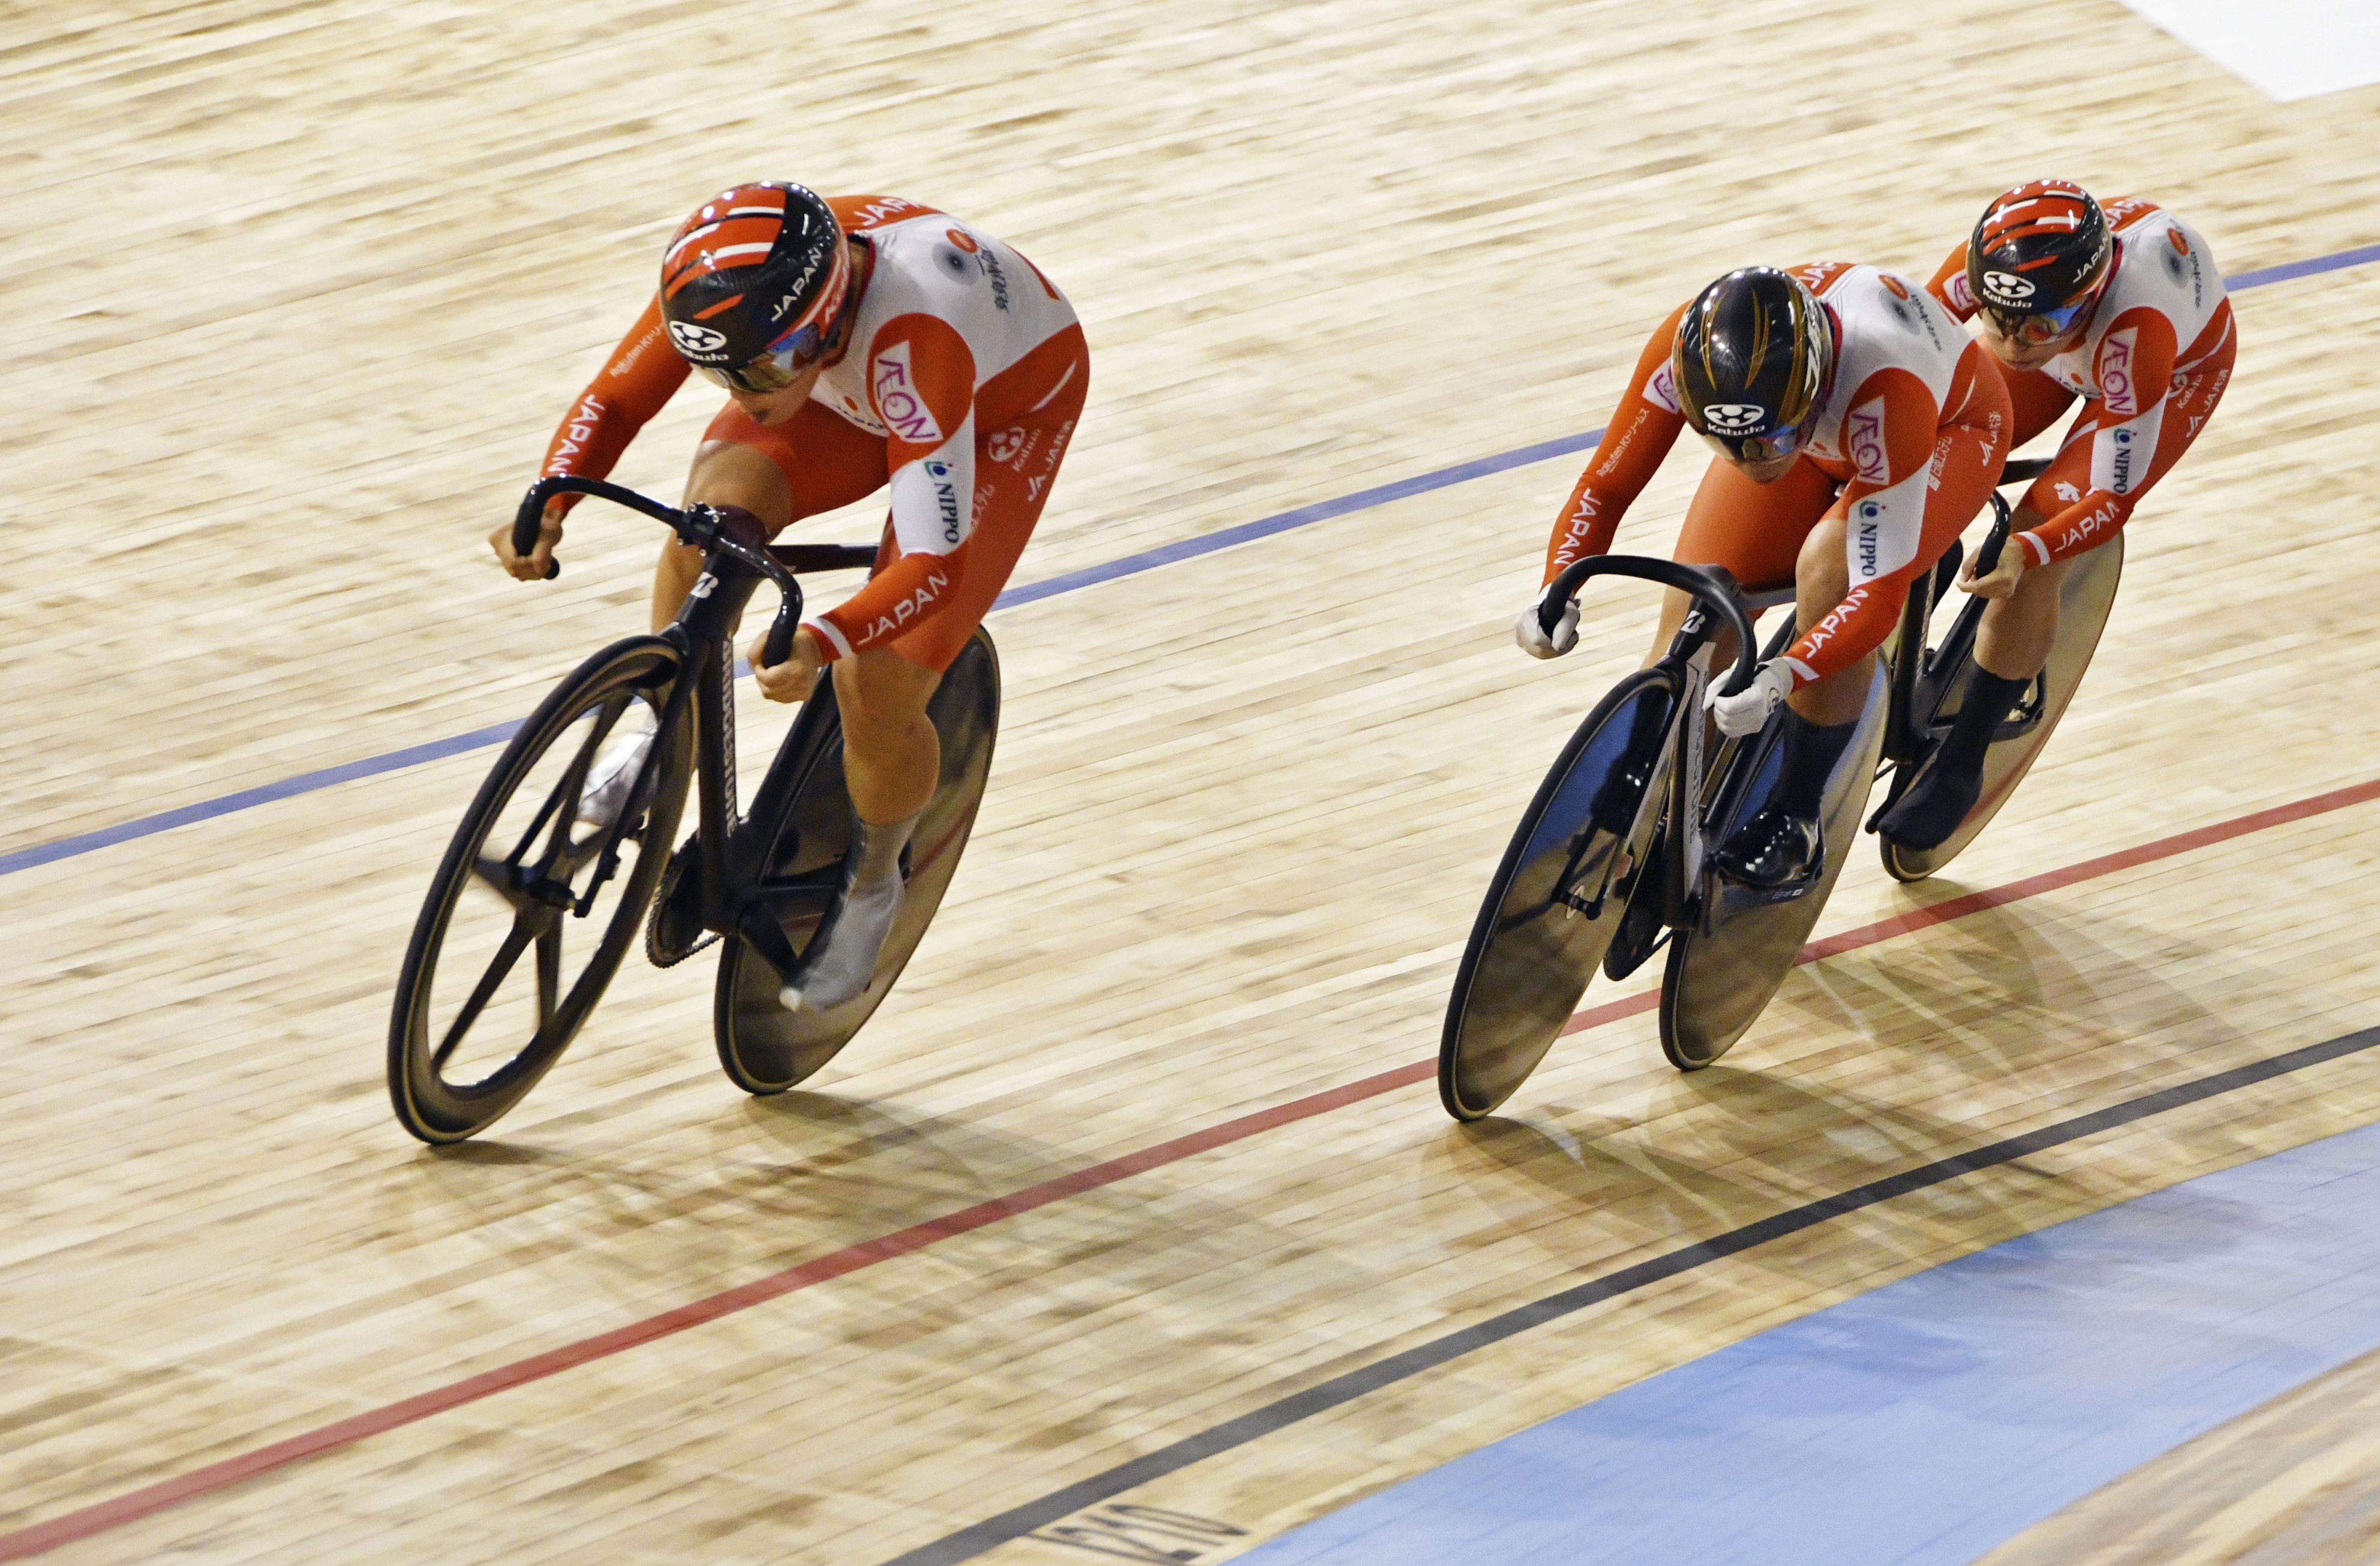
point(1769, 447)
point(780, 364)
point(2039, 328)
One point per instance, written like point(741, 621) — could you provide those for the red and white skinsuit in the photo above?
point(2150, 368)
point(962, 382)
point(1906, 450)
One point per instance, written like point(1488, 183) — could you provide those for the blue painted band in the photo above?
point(1929, 1421)
point(1031, 592)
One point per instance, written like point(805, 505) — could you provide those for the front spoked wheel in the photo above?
point(540, 894)
point(1558, 897)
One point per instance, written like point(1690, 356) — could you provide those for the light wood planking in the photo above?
point(300, 289)
point(2295, 1480)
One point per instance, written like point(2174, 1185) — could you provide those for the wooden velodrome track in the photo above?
point(300, 290)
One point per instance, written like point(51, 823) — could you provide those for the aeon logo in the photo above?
point(1733, 419)
point(1864, 433)
point(692, 337)
point(2116, 382)
point(2008, 288)
point(898, 402)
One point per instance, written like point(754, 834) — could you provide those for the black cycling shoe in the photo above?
point(1935, 805)
point(1772, 851)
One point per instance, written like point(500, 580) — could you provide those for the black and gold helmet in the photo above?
point(1756, 353)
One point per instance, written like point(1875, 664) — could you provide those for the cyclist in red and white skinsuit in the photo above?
point(1859, 431)
point(866, 342)
point(2123, 309)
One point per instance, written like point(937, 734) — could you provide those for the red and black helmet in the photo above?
point(753, 284)
point(2038, 258)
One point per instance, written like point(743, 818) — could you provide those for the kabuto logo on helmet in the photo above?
point(693, 339)
point(2008, 288)
point(1733, 419)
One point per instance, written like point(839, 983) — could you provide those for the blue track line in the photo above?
point(1031, 592)
point(1926, 1422)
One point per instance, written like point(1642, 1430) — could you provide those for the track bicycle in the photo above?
point(1611, 860)
point(489, 995)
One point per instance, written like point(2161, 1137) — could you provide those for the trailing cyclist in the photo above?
point(2123, 309)
point(865, 343)
point(1858, 431)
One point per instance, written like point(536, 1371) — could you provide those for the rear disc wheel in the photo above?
point(2085, 599)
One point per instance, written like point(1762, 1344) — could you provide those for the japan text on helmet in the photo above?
point(754, 283)
point(1754, 354)
point(2038, 258)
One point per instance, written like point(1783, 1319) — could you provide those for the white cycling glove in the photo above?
point(1530, 632)
point(1747, 710)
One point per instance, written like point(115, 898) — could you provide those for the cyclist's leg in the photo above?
point(2036, 402)
point(1782, 842)
point(2014, 641)
point(810, 462)
point(1757, 532)
point(1754, 530)
point(892, 754)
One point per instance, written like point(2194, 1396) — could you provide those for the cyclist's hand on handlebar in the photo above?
point(1745, 711)
point(792, 680)
point(538, 563)
point(2004, 575)
point(1529, 630)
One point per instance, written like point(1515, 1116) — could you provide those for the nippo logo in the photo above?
point(1733, 419)
point(692, 337)
point(2008, 288)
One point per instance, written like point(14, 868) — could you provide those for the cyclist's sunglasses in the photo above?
point(781, 363)
point(2041, 328)
point(1757, 449)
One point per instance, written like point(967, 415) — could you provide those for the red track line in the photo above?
point(167, 1493)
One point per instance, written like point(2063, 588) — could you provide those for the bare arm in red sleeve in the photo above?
point(639, 378)
point(2134, 369)
point(1639, 436)
point(921, 379)
point(1889, 435)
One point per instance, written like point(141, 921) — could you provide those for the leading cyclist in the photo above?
point(1858, 431)
point(865, 342)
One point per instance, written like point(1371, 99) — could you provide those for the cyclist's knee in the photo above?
point(879, 692)
point(1821, 576)
point(728, 474)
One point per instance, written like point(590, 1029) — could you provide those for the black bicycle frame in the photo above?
point(1920, 673)
point(736, 558)
point(1716, 604)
